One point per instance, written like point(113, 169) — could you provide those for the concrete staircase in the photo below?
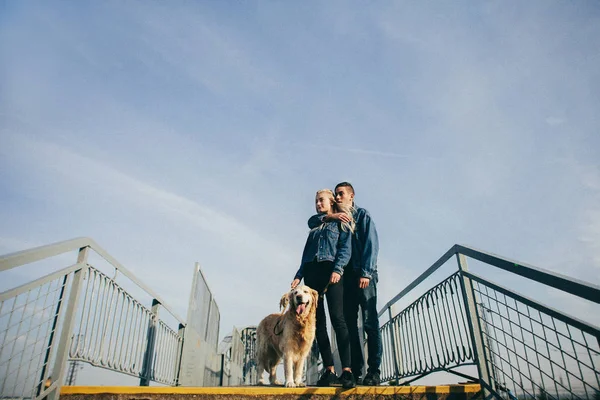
point(450, 392)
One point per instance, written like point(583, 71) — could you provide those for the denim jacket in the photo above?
point(327, 242)
point(365, 242)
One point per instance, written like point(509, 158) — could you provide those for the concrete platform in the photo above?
point(450, 392)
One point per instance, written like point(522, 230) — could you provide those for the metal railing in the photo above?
point(116, 331)
point(81, 313)
point(250, 374)
point(521, 348)
point(232, 351)
point(430, 335)
point(200, 364)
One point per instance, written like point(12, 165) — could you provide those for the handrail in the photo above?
point(434, 267)
point(84, 313)
point(504, 328)
point(47, 278)
point(587, 327)
point(573, 286)
point(20, 258)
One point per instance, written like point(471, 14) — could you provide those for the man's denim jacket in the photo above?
point(365, 242)
point(327, 242)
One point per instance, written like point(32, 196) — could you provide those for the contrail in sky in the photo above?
point(362, 151)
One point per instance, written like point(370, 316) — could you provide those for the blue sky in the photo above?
point(200, 131)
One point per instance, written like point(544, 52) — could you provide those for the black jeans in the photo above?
point(367, 300)
point(316, 275)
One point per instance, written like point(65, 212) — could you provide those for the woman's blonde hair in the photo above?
point(340, 208)
point(329, 194)
point(348, 211)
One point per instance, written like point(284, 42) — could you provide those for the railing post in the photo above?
point(481, 355)
point(44, 382)
point(179, 354)
point(150, 343)
point(62, 351)
point(393, 343)
point(222, 368)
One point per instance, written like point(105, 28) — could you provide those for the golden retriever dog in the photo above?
point(289, 334)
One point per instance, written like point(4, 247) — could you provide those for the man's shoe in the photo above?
point(357, 378)
point(371, 379)
point(327, 378)
point(347, 380)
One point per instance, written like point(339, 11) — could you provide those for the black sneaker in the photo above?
point(371, 379)
point(347, 380)
point(327, 378)
point(357, 378)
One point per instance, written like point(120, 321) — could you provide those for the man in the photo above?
point(360, 285)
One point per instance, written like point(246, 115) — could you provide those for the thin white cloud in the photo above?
point(590, 234)
point(113, 183)
point(12, 245)
point(364, 151)
point(207, 53)
point(588, 215)
point(555, 121)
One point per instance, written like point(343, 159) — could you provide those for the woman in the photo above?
point(327, 251)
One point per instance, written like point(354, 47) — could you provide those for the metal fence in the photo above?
point(232, 351)
point(430, 335)
point(201, 365)
point(535, 350)
point(521, 348)
point(250, 374)
point(117, 332)
point(83, 314)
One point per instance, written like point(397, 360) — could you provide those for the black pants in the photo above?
point(316, 275)
point(366, 299)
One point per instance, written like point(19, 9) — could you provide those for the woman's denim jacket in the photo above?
point(327, 242)
point(365, 244)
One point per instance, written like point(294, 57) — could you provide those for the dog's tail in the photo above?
point(283, 303)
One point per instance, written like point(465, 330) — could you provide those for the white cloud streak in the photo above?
point(366, 152)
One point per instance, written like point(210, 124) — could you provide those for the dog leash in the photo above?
point(324, 290)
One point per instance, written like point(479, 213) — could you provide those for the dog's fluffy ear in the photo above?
point(315, 297)
point(284, 301)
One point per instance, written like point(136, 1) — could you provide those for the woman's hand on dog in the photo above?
point(295, 283)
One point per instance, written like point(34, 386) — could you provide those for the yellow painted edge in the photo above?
point(383, 390)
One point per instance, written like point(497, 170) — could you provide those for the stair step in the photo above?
point(447, 392)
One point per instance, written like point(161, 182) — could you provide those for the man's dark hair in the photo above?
point(345, 184)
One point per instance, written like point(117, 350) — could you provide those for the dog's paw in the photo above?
point(278, 382)
point(300, 384)
point(290, 384)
